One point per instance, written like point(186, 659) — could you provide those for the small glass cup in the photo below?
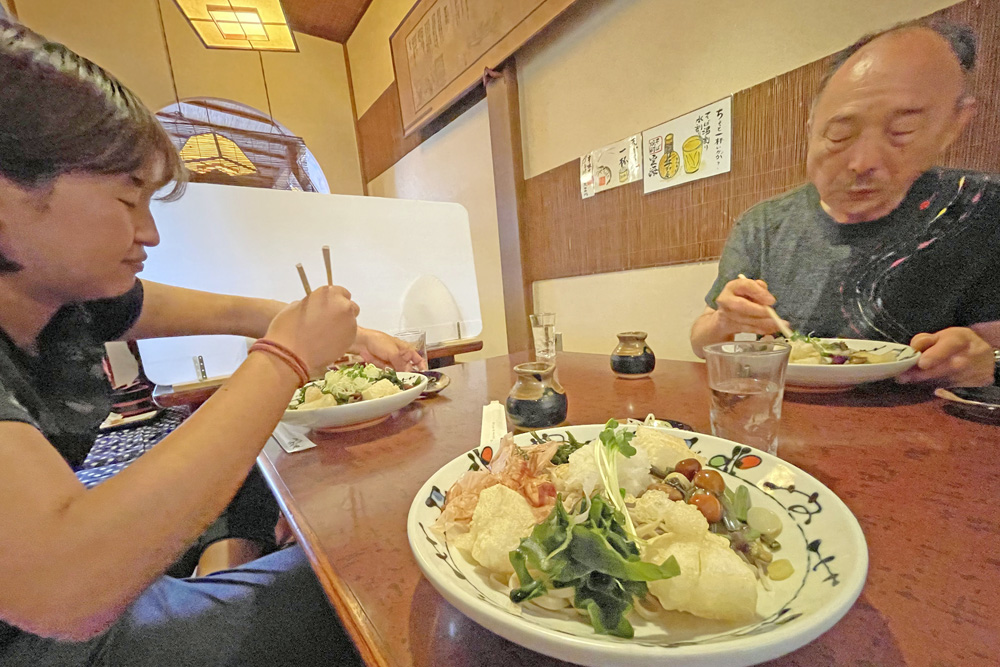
point(417, 339)
point(747, 380)
point(543, 331)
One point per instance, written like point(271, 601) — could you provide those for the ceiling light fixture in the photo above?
point(248, 25)
point(207, 152)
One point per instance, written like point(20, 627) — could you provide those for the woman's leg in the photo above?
point(269, 612)
point(242, 533)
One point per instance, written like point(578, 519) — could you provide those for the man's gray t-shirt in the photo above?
point(932, 263)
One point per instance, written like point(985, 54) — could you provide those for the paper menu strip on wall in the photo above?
point(587, 176)
point(611, 166)
point(693, 146)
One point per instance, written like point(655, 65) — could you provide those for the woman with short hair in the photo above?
point(83, 570)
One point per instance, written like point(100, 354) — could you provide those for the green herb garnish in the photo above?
point(594, 557)
point(564, 450)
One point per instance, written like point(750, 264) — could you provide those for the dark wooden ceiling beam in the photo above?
point(334, 20)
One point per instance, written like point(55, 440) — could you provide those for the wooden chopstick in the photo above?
point(326, 260)
point(305, 281)
point(782, 327)
point(941, 392)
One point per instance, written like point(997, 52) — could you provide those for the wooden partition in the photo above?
point(621, 229)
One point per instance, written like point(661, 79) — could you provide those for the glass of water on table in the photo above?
point(543, 332)
point(747, 380)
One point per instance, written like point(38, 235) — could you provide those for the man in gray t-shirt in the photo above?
point(879, 244)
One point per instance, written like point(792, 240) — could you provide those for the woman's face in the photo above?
point(83, 237)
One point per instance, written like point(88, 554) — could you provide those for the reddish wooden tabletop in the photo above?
point(924, 485)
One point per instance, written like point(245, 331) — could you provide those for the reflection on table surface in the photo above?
point(921, 482)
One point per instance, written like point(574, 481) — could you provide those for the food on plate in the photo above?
point(349, 385)
point(633, 523)
point(810, 350)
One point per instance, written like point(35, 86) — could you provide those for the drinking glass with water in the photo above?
point(747, 380)
point(543, 331)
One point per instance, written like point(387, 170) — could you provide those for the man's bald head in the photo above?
point(960, 39)
point(891, 104)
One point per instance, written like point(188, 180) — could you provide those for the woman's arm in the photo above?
point(176, 311)
point(73, 559)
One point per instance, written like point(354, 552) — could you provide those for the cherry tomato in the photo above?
point(708, 505)
point(711, 481)
point(688, 467)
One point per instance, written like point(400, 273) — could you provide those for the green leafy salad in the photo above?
point(351, 384)
point(631, 524)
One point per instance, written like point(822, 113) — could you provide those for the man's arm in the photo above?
point(734, 304)
point(956, 356)
point(741, 308)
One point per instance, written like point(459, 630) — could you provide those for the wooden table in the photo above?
point(923, 484)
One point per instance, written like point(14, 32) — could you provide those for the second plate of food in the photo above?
point(836, 364)
point(353, 395)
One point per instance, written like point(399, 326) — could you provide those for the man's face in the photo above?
point(882, 121)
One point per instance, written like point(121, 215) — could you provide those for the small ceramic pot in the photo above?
point(537, 400)
point(632, 359)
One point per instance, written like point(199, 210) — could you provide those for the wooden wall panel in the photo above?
point(381, 140)
point(623, 229)
point(380, 135)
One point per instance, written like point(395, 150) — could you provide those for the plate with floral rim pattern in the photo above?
point(820, 536)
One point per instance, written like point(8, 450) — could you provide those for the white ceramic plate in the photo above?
point(820, 537)
point(844, 376)
point(351, 414)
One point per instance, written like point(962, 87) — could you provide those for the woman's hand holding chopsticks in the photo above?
point(322, 326)
point(375, 347)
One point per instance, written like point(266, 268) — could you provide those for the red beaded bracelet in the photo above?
point(281, 352)
point(279, 346)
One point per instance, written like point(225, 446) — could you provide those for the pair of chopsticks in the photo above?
point(329, 271)
point(782, 327)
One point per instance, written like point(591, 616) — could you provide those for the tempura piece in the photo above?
point(679, 519)
point(380, 389)
point(502, 517)
point(664, 450)
point(714, 582)
point(523, 469)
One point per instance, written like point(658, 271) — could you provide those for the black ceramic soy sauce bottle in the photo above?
point(632, 359)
